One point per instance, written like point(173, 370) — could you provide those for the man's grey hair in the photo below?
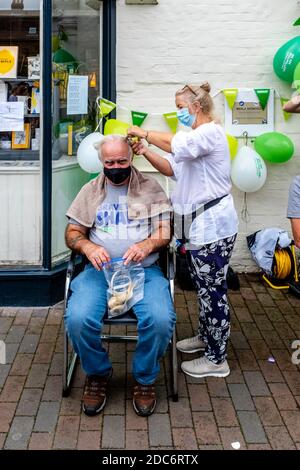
point(112, 138)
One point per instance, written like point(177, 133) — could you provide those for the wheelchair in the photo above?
point(75, 265)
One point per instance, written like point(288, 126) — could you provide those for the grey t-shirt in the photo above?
point(113, 229)
point(293, 210)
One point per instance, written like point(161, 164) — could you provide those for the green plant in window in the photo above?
point(92, 114)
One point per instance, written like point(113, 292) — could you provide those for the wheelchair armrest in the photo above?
point(76, 260)
point(71, 264)
point(166, 262)
point(75, 265)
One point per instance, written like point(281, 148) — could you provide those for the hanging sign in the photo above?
point(8, 61)
point(247, 114)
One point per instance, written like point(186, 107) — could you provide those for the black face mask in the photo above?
point(117, 175)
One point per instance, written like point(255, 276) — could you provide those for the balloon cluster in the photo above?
point(286, 62)
point(249, 171)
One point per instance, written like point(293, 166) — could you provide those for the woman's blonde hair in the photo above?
point(201, 94)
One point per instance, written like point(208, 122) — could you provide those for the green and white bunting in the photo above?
point(230, 95)
point(138, 118)
point(285, 114)
point(106, 106)
point(172, 121)
point(263, 96)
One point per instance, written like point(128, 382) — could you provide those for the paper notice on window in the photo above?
point(12, 116)
point(77, 97)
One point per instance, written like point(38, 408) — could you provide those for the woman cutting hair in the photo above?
point(205, 218)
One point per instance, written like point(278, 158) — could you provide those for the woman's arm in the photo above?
point(161, 164)
point(161, 140)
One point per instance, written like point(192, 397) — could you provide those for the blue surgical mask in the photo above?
point(185, 117)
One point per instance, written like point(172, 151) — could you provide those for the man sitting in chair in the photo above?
point(121, 213)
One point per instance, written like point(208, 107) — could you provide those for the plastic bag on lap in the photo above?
point(125, 285)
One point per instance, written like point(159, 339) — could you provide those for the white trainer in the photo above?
point(203, 367)
point(191, 345)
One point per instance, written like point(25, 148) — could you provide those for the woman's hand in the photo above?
point(136, 131)
point(139, 148)
point(137, 252)
point(96, 254)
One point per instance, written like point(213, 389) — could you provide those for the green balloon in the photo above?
point(274, 147)
point(286, 59)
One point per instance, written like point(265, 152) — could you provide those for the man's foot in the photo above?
point(94, 395)
point(202, 367)
point(144, 399)
point(190, 345)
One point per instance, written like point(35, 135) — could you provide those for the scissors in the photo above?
point(131, 140)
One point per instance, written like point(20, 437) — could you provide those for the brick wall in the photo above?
point(230, 43)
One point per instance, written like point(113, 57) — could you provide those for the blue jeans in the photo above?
point(155, 316)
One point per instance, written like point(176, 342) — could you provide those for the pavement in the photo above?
point(256, 407)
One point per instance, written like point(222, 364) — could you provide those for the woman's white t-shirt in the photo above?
point(200, 161)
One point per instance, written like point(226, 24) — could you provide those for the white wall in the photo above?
point(20, 209)
point(230, 43)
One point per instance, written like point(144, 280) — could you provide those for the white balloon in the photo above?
point(248, 170)
point(87, 155)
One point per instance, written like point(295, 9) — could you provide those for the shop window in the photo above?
point(20, 80)
point(76, 53)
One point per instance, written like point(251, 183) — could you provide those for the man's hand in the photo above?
point(158, 239)
point(96, 254)
point(138, 252)
point(77, 239)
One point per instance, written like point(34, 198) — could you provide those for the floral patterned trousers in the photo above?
point(208, 267)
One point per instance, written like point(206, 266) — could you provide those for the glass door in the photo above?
point(20, 132)
point(76, 83)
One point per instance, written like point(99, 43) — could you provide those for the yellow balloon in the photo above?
point(233, 145)
point(114, 126)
